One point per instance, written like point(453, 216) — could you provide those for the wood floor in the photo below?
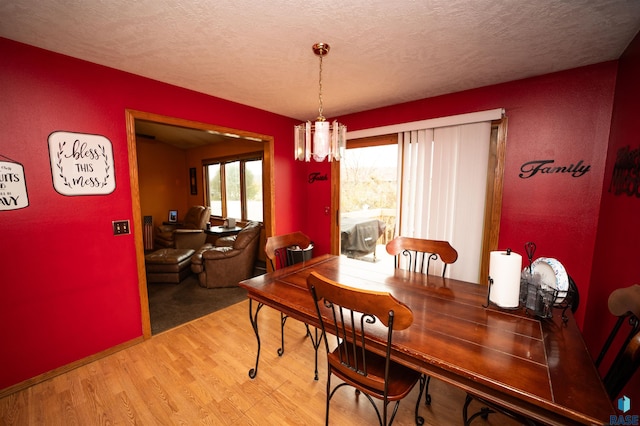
point(198, 374)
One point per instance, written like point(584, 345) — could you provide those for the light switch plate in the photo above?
point(120, 227)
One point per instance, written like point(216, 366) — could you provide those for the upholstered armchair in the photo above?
point(226, 266)
point(189, 238)
point(196, 218)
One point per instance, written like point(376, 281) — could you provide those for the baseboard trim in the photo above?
point(66, 368)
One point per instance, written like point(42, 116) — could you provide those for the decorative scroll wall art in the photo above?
point(13, 186)
point(626, 173)
point(81, 164)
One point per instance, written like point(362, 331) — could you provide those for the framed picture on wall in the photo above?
point(173, 216)
point(192, 181)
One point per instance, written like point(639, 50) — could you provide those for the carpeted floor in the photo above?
point(173, 304)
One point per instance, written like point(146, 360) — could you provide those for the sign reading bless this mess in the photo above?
point(81, 164)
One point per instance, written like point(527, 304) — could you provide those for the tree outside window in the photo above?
point(235, 188)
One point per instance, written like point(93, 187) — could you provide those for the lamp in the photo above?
point(329, 139)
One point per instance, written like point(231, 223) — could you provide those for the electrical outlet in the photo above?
point(120, 227)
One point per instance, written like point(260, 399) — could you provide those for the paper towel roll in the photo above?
point(505, 270)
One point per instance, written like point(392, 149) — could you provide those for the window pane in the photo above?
point(253, 182)
point(232, 186)
point(215, 196)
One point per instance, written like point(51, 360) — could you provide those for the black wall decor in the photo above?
point(192, 181)
point(541, 167)
point(316, 176)
point(626, 173)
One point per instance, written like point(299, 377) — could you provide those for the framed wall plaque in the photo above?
point(81, 164)
point(13, 185)
point(192, 181)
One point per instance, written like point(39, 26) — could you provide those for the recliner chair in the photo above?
point(226, 266)
point(196, 218)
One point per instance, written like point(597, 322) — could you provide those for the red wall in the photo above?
point(618, 239)
point(69, 287)
point(563, 117)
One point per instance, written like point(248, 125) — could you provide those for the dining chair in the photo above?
point(277, 245)
point(623, 303)
point(358, 318)
point(278, 251)
point(418, 254)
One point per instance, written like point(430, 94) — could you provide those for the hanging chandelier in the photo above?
point(320, 139)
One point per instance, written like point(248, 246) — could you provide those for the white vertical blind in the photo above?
point(443, 190)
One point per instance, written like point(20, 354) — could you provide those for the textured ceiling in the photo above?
point(383, 52)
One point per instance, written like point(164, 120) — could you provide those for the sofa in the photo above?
point(225, 266)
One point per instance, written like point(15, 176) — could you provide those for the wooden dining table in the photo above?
point(538, 368)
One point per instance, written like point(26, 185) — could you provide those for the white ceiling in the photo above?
point(383, 52)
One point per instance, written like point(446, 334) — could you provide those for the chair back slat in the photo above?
point(363, 323)
point(418, 253)
point(353, 315)
point(276, 248)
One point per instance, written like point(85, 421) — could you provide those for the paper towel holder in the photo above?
point(488, 292)
point(491, 284)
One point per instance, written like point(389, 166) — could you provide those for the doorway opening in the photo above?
point(368, 201)
point(494, 185)
point(228, 135)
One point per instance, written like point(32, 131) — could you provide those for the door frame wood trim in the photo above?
point(268, 189)
point(493, 199)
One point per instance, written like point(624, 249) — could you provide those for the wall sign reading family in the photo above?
point(81, 164)
point(541, 167)
point(316, 176)
point(13, 187)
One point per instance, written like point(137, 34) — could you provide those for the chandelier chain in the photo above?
point(320, 140)
point(320, 109)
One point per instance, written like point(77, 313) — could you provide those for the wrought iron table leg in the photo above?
point(283, 320)
point(484, 412)
point(253, 317)
point(427, 396)
point(424, 383)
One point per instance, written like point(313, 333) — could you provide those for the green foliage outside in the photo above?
point(368, 179)
point(254, 185)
